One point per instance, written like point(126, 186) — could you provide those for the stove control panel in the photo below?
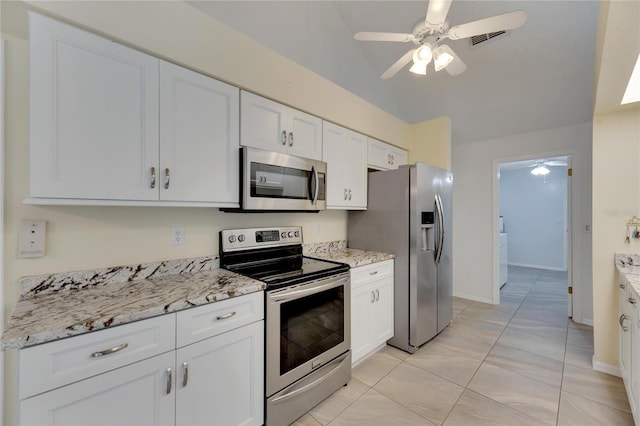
point(251, 238)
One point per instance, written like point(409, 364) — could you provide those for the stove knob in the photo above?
point(283, 235)
point(290, 234)
point(241, 238)
point(297, 233)
point(232, 238)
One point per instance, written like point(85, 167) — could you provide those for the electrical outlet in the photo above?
point(177, 235)
point(32, 235)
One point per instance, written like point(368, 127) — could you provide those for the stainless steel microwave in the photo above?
point(272, 181)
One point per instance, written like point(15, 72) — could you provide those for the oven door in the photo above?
point(307, 326)
point(274, 181)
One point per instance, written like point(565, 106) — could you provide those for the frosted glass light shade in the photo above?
point(540, 170)
point(441, 59)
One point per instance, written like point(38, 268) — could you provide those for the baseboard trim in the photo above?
point(614, 370)
point(548, 268)
point(473, 298)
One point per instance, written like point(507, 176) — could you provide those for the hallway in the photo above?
point(522, 362)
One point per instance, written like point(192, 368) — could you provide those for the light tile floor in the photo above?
point(520, 363)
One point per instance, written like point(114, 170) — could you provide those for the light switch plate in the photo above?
point(32, 236)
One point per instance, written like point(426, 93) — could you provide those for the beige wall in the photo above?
point(90, 237)
point(431, 143)
point(616, 198)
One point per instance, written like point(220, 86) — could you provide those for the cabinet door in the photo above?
point(362, 298)
point(634, 363)
point(199, 138)
point(377, 155)
point(345, 153)
point(355, 169)
point(304, 135)
point(138, 394)
point(262, 123)
point(399, 157)
point(382, 315)
point(94, 115)
point(221, 379)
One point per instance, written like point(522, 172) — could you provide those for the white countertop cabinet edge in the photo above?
point(61, 380)
point(629, 344)
point(345, 153)
point(371, 308)
point(105, 119)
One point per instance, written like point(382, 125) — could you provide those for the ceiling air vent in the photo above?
point(475, 40)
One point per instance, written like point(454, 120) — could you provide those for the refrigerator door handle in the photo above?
point(440, 213)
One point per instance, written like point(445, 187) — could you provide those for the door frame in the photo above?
point(2, 129)
point(573, 199)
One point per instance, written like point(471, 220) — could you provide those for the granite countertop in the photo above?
point(337, 251)
point(56, 306)
point(628, 265)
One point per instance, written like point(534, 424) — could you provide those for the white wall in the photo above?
point(535, 215)
point(475, 210)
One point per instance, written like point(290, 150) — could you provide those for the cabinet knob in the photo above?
point(284, 137)
point(290, 138)
point(166, 178)
point(152, 180)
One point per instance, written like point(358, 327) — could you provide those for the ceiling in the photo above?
point(536, 77)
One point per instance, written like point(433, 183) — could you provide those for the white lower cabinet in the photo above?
point(133, 374)
point(371, 308)
point(629, 345)
point(137, 394)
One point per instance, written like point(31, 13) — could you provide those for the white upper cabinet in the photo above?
point(94, 115)
point(199, 137)
point(271, 126)
point(345, 153)
point(112, 125)
point(383, 156)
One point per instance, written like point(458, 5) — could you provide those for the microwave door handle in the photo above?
point(316, 180)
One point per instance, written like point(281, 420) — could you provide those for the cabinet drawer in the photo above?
point(65, 361)
point(219, 317)
point(364, 274)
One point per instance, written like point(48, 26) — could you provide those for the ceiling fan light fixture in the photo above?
point(421, 58)
point(419, 68)
point(441, 59)
point(540, 170)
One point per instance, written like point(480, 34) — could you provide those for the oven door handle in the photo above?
point(298, 293)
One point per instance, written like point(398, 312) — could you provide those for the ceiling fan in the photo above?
point(430, 32)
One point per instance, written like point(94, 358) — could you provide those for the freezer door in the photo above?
point(423, 284)
point(443, 223)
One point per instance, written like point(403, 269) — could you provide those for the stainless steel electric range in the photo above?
point(308, 317)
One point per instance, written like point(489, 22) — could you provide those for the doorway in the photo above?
point(534, 211)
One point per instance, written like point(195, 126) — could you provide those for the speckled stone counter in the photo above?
point(337, 251)
point(61, 305)
point(628, 266)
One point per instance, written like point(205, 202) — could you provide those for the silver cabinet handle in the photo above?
point(622, 286)
point(621, 322)
point(284, 137)
point(225, 316)
point(290, 138)
point(377, 295)
point(109, 351)
point(631, 300)
point(373, 273)
point(349, 195)
point(169, 374)
point(373, 296)
point(345, 194)
point(152, 180)
point(185, 374)
point(166, 178)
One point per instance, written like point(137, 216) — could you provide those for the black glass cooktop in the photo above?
point(281, 266)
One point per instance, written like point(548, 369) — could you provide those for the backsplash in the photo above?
point(44, 284)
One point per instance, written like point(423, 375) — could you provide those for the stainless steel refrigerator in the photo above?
point(409, 214)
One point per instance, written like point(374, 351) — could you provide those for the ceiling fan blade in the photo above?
point(506, 21)
point(437, 13)
point(400, 63)
point(372, 36)
point(456, 66)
